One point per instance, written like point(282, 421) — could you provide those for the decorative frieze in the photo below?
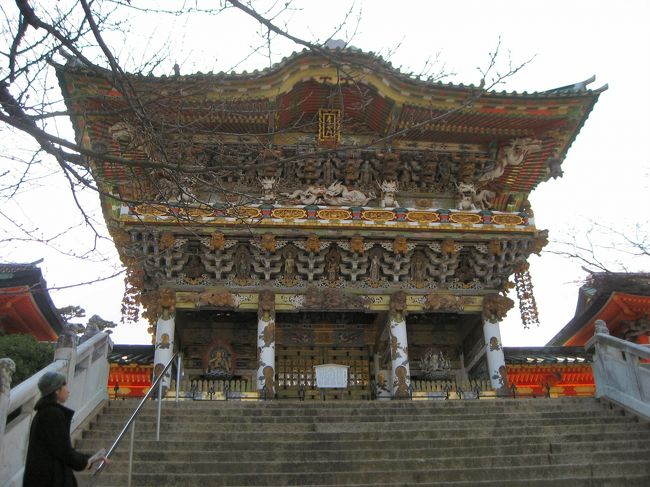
point(299, 263)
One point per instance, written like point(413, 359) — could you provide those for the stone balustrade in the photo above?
point(620, 373)
point(86, 367)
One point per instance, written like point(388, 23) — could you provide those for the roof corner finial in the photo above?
point(177, 70)
point(335, 44)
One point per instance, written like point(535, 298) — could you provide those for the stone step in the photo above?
point(191, 425)
point(392, 476)
point(290, 465)
point(216, 414)
point(353, 443)
point(250, 455)
point(371, 431)
point(286, 406)
point(501, 442)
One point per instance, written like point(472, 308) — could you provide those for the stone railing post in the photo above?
point(7, 369)
point(66, 351)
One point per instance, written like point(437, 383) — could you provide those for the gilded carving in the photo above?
point(521, 267)
point(337, 214)
point(400, 245)
point(495, 307)
point(539, 242)
point(289, 213)
point(244, 212)
point(465, 218)
point(120, 237)
point(266, 305)
point(268, 242)
point(167, 241)
point(217, 241)
point(398, 306)
point(494, 247)
point(167, 303)
point(269, 380)
point(443, 302)
point(334, 299)
point(422, 216)
point(219, 299)
point(401, 387)
point(313, 243)
point(356, 244)
point(378, 215)
point(500, 219)
point(448, 247)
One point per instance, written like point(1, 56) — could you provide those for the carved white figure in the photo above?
point(470, 200)
point(388, 190)
point(309, 196)
point(268, 184)
point(484, 199)
point(467, 193)
point(338, 194)
point(512, 155)
point(122, 132)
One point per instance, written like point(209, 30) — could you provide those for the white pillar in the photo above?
point(399, 358)
point(494, 352)
point(164, 347)
point(266, 344)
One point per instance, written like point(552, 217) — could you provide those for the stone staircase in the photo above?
point(504, 442)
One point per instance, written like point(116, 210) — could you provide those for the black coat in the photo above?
point(50, 456)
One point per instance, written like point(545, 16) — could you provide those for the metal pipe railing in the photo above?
point(156, 386)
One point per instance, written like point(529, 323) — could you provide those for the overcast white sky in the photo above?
point(605, 174)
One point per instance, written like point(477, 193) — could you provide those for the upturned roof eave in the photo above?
point(347, 56)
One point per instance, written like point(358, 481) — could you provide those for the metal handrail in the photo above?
point(154, 388)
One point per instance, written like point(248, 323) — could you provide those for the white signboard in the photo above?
point(331, 375)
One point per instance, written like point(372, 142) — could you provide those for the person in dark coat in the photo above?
point(50, 455)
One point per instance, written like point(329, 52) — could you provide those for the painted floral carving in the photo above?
point(356, 244)
point(217, 241)
point(495, 307)
point(443, 302)
point(400, 245)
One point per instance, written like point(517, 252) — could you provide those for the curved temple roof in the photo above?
point(382, 109)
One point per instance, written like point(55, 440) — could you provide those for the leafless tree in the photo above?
point(602, 248)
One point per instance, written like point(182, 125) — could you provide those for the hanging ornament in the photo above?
point(527, 304)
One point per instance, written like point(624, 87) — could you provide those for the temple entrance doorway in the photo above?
point(308, 339)
point(295, 369)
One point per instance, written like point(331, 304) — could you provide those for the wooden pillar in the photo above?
point(165, 331)
point(494, 352)
point(400, 369)
point(495, 308)
point(266, 344)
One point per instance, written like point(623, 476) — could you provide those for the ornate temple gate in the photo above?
point(266, 198)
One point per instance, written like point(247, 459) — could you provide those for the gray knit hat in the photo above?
point(50, 382)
